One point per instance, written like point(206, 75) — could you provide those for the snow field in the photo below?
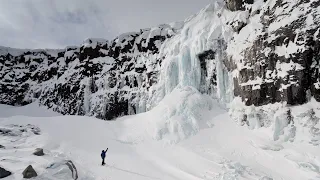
point(163, 143)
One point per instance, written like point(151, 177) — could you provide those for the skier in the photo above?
point(103, 156)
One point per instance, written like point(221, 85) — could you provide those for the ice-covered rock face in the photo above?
point(274, 60)
point(99, 78)
point(279, 61)
point(263, 51)
point(127, 75)
point(235, 5)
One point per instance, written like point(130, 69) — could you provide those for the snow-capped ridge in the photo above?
point(17, 52)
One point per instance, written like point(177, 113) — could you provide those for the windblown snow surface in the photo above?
point(186, 137)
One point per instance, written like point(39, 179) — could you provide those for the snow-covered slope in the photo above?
point(143, 147)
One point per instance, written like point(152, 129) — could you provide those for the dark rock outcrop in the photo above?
point(38, 152)
point(79, 74)
point(4, 173)
point(29, 172)
point(284, 68)
point(237, 25)
point(208, 77)
point(5, 131)
point(2, 147)
point(235, 5)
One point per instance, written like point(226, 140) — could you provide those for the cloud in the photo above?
point(58, 23)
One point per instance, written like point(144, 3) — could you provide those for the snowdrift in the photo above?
point(181, 114)
point(160, 144)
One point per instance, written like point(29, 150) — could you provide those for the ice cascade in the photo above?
point(181, 65)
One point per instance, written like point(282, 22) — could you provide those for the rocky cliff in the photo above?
point(280, 61)
point(99, 78)
point(259, 51)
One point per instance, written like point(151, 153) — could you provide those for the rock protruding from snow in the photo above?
point(278, 62)
point(6, 132)
point(39, 152)
point(2, 147)
point(34, 129)
point(235, 5)
point(29, 172)
point(4, 173)
point(19, 130)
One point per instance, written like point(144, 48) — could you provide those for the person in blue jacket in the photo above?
point(103, 156)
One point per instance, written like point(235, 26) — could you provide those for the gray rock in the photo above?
point(2, 147)
point(19, 130)
point(237, 25)
point(29, 172)
point(38, 152)
point(4, 173)
point(34, 129)
point(235, 5)
point(6, 132)
point(293, 87)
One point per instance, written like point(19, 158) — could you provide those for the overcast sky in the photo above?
point(58, 23)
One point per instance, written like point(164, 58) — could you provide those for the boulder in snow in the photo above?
point(34, 129)
point(237, 25)
point(38, 152)
point(4, 173)
point(2, 147)
point(5, 132)
point(29, 172)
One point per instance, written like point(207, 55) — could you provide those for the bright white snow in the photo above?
point(186, 137)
